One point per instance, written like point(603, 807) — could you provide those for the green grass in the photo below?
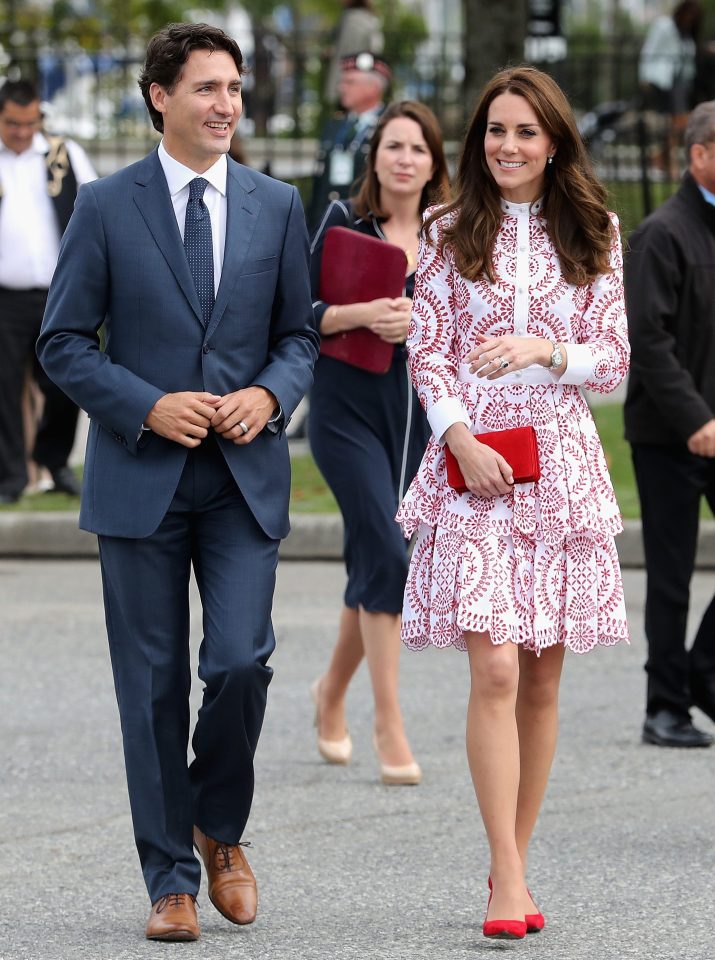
point(626, 199)
point(609, 420)
point(310, 493)
point(44, 502)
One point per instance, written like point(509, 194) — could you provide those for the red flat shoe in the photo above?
point(503, 929)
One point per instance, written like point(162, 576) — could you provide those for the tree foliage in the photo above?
point(494, 34)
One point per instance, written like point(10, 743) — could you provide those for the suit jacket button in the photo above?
point(207, 348)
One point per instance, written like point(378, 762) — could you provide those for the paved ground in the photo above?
point(622, 865)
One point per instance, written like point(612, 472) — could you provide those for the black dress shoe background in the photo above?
point(703, 695)
point(65, 482)
point(666, 728)
point(9, 497)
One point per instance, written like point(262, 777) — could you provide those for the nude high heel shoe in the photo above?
point(406, 775)
point(332, 751)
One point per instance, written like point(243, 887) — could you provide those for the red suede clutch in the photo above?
point(517, 446)
point(356, 268)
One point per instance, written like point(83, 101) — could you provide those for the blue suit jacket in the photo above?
point(122, 263)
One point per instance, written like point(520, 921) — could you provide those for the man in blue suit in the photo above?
point(198, 269)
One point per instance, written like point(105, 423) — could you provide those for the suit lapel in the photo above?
point(241, 219)
point(151, 195)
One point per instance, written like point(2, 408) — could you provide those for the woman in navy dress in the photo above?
point(368, 434)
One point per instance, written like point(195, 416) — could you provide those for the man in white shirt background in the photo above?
point(39, 179)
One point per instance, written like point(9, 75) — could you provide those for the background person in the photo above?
point(368, 433)
point(358, 28)
point(345, 139)
point(518, 304)
point(670, 424)
point(198, 267)
point(666, 71)
point(39, 179)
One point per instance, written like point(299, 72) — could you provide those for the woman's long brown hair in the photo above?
point(574, 201)
point(436, 190)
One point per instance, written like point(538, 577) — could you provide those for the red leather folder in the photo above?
point(517, 446)
point(357, 268)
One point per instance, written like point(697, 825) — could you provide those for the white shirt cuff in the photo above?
point(579, 367)
point(275, 423)
point(444, 413)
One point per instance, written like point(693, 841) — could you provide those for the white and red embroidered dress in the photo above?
point(537, 566)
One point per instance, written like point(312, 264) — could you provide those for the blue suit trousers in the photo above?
point(209, 528)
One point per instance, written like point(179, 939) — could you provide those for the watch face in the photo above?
point(557, 358)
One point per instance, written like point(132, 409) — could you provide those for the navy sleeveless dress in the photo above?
point(368, 434)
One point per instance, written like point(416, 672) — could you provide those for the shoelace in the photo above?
point(172, 900)
point(224, 852)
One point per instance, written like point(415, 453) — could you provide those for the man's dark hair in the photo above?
point(168, 51)
point(21, 92)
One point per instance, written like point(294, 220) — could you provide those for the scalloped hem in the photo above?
point(516, 589)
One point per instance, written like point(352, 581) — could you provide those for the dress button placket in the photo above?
point(521, 293)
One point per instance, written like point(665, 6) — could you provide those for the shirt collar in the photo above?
point(365, 119)
point(709, 197)
point(39, 145)
point(178, 176)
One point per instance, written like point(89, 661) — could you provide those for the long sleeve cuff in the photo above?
point(580, 365)
point(444, 413)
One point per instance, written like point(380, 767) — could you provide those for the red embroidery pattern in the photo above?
point(537, 566)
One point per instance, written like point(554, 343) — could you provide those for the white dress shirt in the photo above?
point(29, 236)
point(178, 178)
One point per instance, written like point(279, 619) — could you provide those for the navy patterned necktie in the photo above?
point(198, 244)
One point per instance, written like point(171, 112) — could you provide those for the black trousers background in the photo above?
point(671, 484)
point(20, 319)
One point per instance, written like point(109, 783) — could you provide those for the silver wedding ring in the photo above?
point(243, 426)
point(504, 364)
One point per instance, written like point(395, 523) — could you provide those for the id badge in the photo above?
point(342, 165)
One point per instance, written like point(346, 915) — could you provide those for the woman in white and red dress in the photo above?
point(518, 304)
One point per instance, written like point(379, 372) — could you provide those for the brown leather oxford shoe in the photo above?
point(232, 886)
point(173, 917)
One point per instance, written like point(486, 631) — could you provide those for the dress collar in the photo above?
point(522, 209)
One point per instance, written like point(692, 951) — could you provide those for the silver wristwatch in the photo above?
point(557, 356)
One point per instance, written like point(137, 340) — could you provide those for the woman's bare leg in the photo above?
point(537, 706)
point(346, 658)
point(381, 641)
point(493, 754)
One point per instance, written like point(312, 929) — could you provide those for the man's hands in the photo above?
point(183, 417)
point(187, 417)
point(702, 442)
point(252, 406)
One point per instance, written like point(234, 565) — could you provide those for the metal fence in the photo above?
point(94, 97)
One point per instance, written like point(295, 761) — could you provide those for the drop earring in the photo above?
point(550, 160)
